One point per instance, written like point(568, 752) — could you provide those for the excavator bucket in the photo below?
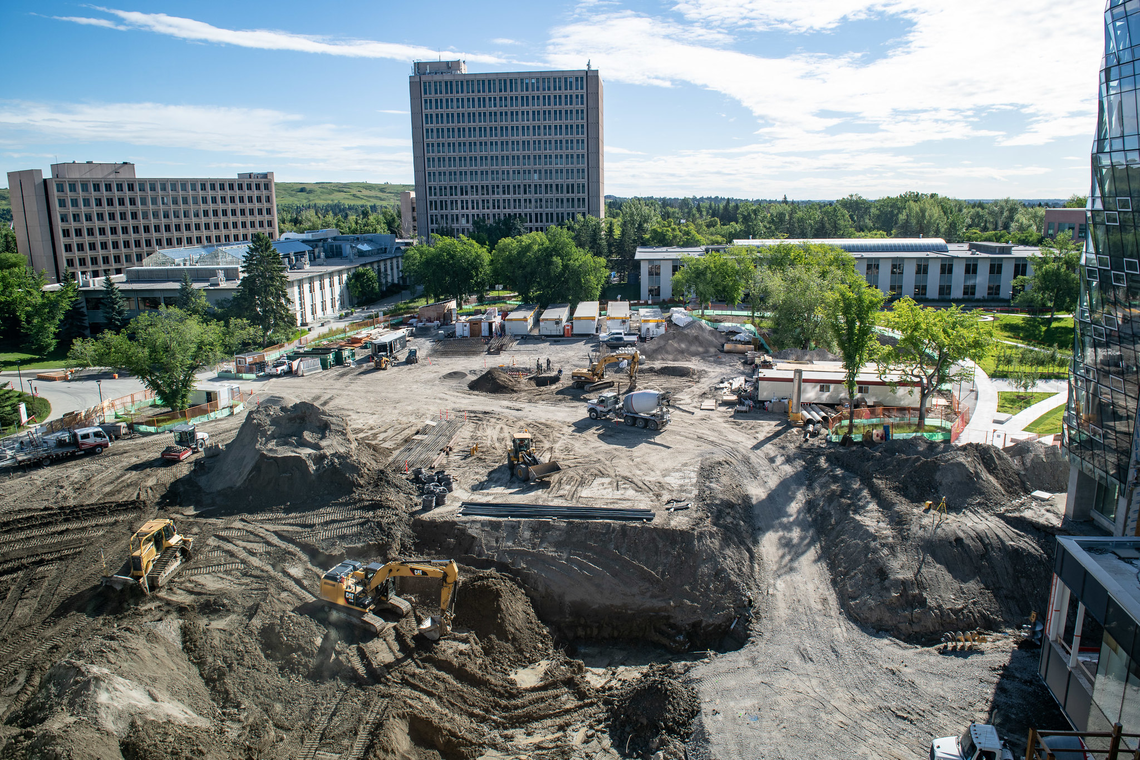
point(431, 628)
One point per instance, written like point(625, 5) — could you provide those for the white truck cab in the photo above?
point(979, 742)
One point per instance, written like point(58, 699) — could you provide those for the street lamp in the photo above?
point(21, 376)
point(100, 384)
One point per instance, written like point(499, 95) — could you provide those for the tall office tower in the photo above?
point(494, 145)
point(97, 219)
point(1101, 434)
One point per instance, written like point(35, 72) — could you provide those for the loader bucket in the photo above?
point(540, 471)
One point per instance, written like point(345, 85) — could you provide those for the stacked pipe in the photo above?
point(553, 512)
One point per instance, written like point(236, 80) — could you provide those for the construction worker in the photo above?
point(548, 364)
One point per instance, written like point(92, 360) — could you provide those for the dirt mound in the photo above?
point(1043, 467)
point(802, 355)
point(495, 608)
point(494, 380)
point(293, 640)
point(695, 339)
point(288, 452)
point(908, 571)
point(654, 713)
point(674, 370)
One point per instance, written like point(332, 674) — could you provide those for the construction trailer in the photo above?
point(652, 323)
point(388, 344)
point(617, 316)
point(522, 321)
point(485, 325)
point(444, 312)
point(822, 383)
point(586, 318)
point(555, 320)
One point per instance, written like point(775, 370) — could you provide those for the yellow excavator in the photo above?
point(157, 551)
point(358, 590)
point(594, 377)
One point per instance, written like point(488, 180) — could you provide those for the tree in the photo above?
point(1054, 284)
point(113, 306)
point(488, 234)
point(931, 346)
point(793, 282)
point(1076, 201)
point(74, 323)
point(363, 285)
point(44, 327)
point(547, 267)
point(165, 349)
point(20, 292)
point(262, 296)
point(452, 267)
point(851, 311)
point(191, 300)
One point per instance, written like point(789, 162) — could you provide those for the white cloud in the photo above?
point(267, 39)
point(623, 151)
point(392, 110)
point(274, 138)
point(505, 41)
point(1002, 74)
point(87, 21)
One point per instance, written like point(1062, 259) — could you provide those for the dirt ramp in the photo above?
point(494, 380)
point(913, 572)
point(288, 452)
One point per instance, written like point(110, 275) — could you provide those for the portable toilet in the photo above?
point(586, 318)
point(553, 319)
point(464, 325)
point(617, 316)
point(522, 320)
point(652, 323)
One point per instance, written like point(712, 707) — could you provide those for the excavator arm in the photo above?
point(446, 570)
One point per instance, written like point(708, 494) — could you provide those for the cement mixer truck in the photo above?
point(644, 409)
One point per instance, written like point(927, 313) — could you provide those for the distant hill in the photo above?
point(348, 193)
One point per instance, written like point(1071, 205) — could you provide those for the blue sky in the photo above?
point(749, 98)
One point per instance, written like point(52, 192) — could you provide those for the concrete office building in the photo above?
point(500, 144)
point(408, 222)
point(1100, 431)
point(926, 269)
point(97, 219)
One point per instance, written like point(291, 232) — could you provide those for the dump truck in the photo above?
point(158, 550)
point(64, 445)
point(187, 440)
point(523, 462)
point(644, 409)
point(359, 590)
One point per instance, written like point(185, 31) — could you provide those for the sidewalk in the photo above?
point(1017, 422)
point(982, 418)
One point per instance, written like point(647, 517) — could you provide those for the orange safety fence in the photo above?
point(186, 415)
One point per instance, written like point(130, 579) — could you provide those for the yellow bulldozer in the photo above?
point(158, 550)
point(359, 590)
point(523, 462)
point(594, 377)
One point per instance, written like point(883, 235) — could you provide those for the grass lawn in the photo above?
point(55, 360)
point(1048, 423)
point(1012, 402)
point(351, 193)
point(1032, 332)
point(38, 408)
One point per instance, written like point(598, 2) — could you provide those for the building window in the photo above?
point(863, 390)
point(825, 389)
point(945, 279)
point(993, 289)
point(921, 275)
point(896, 276)
point(873, 272)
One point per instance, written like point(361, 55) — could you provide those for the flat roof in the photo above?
point(653, 313)
point(826, 373)
point(1101, 557)
point(650, 253)
point(860, 245)
point(523, 312)
point(557, 311)
point(617, 310)
point(587, 310)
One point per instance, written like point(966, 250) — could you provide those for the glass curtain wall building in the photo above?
point(1100, 433)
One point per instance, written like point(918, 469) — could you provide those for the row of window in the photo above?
point(161, 200)
point(441, 191)
point(508, 146)
point(508, 117)
point(106, 260)
point(78, 232)
point(134, 217)
point(496, 204)
point(524, 159)
point(539, 220)
point(945, 277)
point(471, 86)
point(502, 103)
point(155, 187)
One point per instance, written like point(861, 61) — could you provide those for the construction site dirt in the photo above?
point(736, 624)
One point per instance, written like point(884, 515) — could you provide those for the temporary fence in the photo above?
point(203, 412)
point(121, 407)
point(900, 421)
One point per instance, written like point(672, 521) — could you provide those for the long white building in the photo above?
point(923, 268)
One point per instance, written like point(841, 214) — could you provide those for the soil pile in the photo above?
point(654, 713)
point(899, 568)
point(803, 355)
point(692, 340)
point(494, 607)
point(494, 380)
point(288, 452)
point(674, 370)
point(1043, 467)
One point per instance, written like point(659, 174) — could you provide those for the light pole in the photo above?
point(20, 375)
point(100, 384)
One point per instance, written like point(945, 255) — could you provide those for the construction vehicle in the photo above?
point(413, 356)
point(157, 551)
point(63, 445)
point(523, 463)
point(359, 590)
point(618, 339)
point(187, 440)
point(979, 742)
point(644, 409)
point(387, 347)
point(594, 377)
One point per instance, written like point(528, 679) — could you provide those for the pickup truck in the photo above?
point(618, 339)
point(278, 368)
point(979, 742)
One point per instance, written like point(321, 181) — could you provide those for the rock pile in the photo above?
point(654, 714)
point(678, 345)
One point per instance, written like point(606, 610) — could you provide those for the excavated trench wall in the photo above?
point(682, 589)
